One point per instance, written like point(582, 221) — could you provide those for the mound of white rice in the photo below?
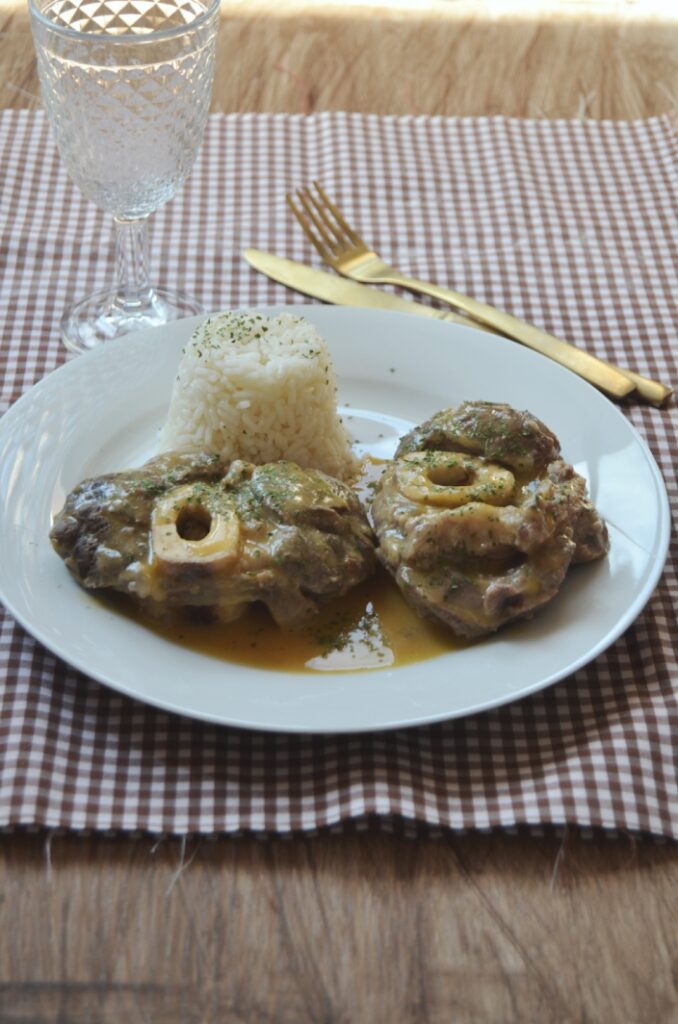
point(259, 388)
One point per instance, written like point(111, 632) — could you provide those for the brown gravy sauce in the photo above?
point(371, 627)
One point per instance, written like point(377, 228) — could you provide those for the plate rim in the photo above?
point(661, 542)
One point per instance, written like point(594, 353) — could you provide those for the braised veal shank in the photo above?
point(189, 530)
point(479, 518)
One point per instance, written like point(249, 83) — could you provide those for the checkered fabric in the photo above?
point(568, 224)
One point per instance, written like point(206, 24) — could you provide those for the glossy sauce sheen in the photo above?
point(369, 628)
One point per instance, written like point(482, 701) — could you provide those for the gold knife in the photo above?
point(343, 292)
point(339, 291)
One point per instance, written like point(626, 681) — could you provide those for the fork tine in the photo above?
point(323, 218)
point(317, 216)
point(316, 242)
point(356, 239)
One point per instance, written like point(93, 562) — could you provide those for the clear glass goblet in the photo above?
point(127, 86)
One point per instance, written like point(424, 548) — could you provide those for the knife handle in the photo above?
point(609, 378)
point(651, 390)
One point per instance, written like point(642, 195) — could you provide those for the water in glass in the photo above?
point(126, 85)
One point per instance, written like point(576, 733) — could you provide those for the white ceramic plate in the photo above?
point(101, 412)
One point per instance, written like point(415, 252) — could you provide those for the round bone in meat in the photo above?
point(189, 526)
point(479, 518)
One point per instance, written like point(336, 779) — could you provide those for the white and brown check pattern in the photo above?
point(570, 225)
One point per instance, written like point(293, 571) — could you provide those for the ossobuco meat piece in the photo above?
point(479, 518)
point(188, 530)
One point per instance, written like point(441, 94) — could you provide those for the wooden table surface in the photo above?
point(368, 927)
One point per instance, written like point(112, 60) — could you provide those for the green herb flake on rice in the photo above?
point(260, 389)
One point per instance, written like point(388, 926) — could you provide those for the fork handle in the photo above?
point(611, 379)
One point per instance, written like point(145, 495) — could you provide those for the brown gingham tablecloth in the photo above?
point(568, 224)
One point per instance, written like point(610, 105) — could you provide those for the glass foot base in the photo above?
point(101, 317)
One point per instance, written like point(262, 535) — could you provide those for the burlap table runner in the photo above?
point(570, 225)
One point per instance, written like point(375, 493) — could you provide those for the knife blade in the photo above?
point(341, 291)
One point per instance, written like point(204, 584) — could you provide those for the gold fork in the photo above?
point(341, 247)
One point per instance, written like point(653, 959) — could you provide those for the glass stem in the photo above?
point(134, 290)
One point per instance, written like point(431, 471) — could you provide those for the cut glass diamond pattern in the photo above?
point(128, 115)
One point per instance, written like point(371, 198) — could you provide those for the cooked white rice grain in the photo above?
point(259, 388)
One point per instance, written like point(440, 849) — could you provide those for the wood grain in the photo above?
point(564, 59)
point(369, 928)
point(338, 930)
